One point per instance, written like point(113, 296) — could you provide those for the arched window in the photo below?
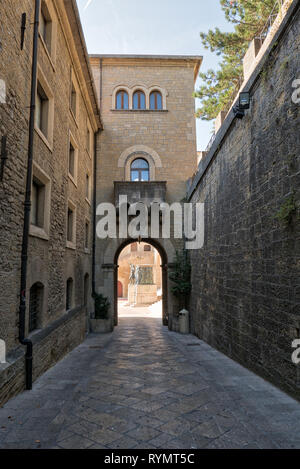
point(139, 170)
point(35, 305)
point(69, 294)
point(155, 101)
point(139, 100)
point(122, 100)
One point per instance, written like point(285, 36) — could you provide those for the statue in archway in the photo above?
point(137, 275)
point(132, 274)
point(143, 275)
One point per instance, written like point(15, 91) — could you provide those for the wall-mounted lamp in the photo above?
point(243, 103)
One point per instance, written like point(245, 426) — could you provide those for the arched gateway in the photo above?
point(164, 267)
point(107, 272)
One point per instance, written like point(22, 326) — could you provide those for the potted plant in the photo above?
point(101, 322)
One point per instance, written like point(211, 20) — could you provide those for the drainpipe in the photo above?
point(27, 205)
point(96, 136)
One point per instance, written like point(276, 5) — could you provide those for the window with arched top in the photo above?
point(155, 101)
point(122, 100)
point(139, 170)
point(139, 100)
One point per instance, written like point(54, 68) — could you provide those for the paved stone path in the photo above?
point(145, 387)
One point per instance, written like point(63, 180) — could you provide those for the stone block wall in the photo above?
point(51, 259)
point(245, 294)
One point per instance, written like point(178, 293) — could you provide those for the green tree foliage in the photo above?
point(101, 306)
point(181, 276)
point(249, 18)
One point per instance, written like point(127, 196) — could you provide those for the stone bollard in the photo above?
point(184, 322)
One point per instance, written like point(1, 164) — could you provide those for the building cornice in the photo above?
point(78, 51)
point(150, 60)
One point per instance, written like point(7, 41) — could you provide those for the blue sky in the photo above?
point(153, 27)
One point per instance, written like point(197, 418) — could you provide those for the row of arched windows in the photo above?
point(139, 100)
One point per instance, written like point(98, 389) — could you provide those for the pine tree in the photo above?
point(249, 18)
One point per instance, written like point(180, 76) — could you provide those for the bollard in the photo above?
point(184, 322)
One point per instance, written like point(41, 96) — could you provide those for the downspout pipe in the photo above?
point(27, 205)
point(96, 138)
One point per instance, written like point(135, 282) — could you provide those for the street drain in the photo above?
point(193, 345)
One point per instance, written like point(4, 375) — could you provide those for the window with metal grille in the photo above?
point(35, 306)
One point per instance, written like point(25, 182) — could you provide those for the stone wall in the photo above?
point(51, 258)
point(14, 125)
point(49, 346)
point(245, 294)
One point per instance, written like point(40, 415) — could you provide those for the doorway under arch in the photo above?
point(120, 289)
point(164, 275)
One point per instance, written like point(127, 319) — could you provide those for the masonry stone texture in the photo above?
point(245, 294)
point(245, 280)
point(164, 138)
point(51, 261)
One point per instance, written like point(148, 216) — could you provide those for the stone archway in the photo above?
point(164, 266)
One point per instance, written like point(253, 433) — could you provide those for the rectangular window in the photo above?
point(87, 187)
point(87, 234)
point(42, 110)
point(40, 204)
point(37, 203)
point(72, 160)
point(88, 141)
point(46, 26)
point(70, 228)
point(73, 103)
point(69, 294)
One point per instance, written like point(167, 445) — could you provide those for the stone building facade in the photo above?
point(245, 280)
point(147, 107)
point(59, 267)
